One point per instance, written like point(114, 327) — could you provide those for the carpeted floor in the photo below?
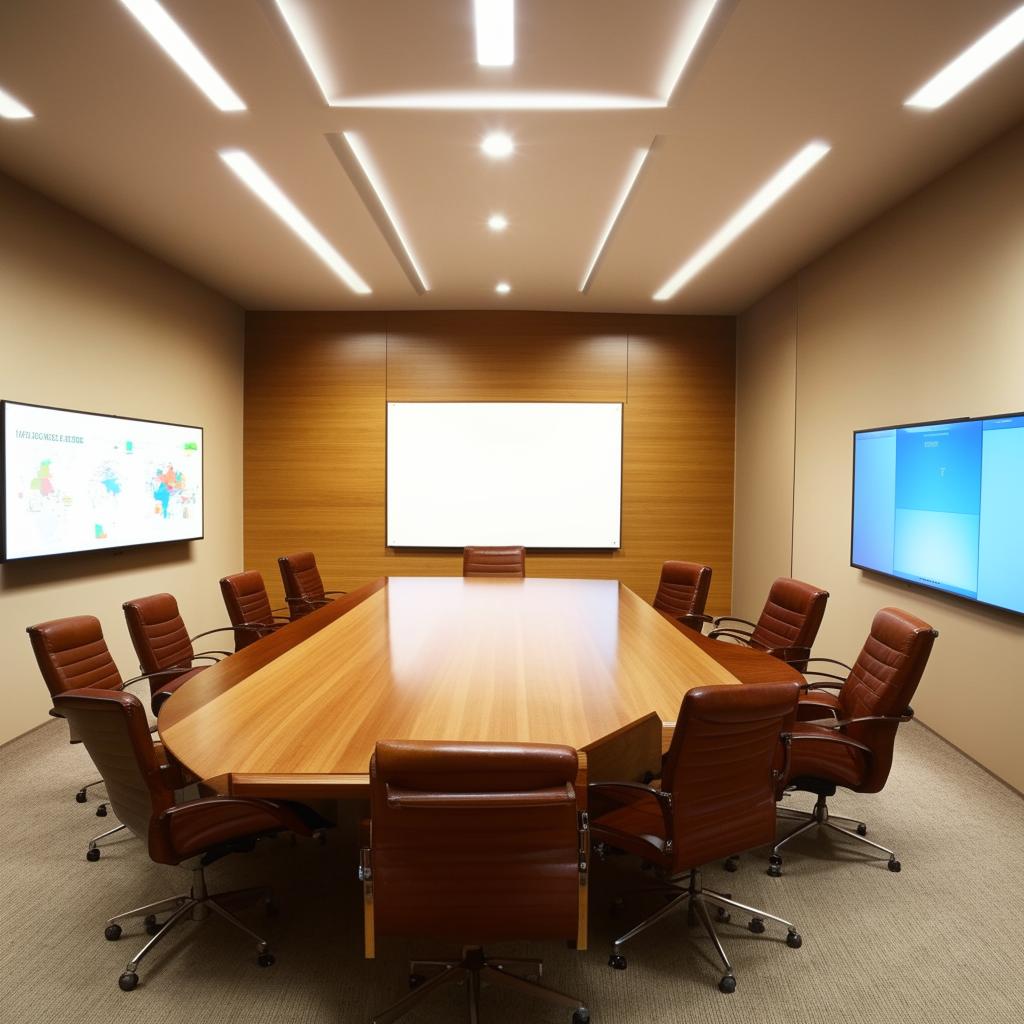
point(941, 941)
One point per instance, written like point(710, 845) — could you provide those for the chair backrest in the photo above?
point(883, 681)
point(158, 635)
point(791, 616)
point(72, 654)
point(475, 842)
point(721, 768)
point(246, 600)
point(683, 589)
point(112, 725)
point(301, 577)
point(494, 561)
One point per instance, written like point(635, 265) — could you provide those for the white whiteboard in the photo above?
point(539, 474)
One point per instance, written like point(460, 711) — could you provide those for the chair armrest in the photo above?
point(210, 632)
point(732, 618)
point(625, 789)
point(209, 655)
point(153, 675)
point(830, 661)
point(729, 634)
point(841, 723)
point(792, 737)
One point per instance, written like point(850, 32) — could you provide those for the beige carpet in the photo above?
point(941, 941)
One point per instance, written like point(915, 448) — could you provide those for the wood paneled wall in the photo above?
point(316, 388)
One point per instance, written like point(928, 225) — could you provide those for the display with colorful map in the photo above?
point(76, 481)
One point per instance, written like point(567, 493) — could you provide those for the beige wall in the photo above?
point(89, 322)
point(919, 316)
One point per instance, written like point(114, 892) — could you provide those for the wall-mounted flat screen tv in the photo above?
point(942, 505)
point(539, 474)
point(80, 481)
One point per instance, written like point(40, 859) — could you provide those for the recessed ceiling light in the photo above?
point(995, 44)
point(11, 109)
point(769, 193)
point(169, 35)
point(503, 287)
point(495, 32)
point(259, 182)
point(498, 145)
point(497, 222)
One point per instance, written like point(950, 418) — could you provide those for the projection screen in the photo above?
point(539, 474)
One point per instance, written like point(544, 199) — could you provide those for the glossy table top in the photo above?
point(534, 660)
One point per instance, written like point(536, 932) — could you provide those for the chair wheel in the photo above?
point(93, 854)
point(894, 865)
point(731, 865)
point(862, 829)
point(101, 811)
point(775, 866)
point(128, 981)
point(152, 926)
point(581, 1017)
point(265, 959)
point(727, 984)
point(756, 925)
point(415, 980)
point(794, 941)
point(80, 797)
point(617, 961)
point(723, 915)
point(112, 932)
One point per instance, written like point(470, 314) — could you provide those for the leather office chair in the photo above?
point(787, 625)
point(494, 561)
point(248, 606)
point(475, 843)
point(303, 588)
point(113, 727)
point(717, 797)
point(853, 748)
point(72, 654)
point(683, 593)
point(163, 646)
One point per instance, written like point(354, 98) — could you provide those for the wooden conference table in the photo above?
point(582, 662)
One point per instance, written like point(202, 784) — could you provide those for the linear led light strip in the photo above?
point(766, 196)
point(257, 180)
point(495, 32)
point(176, 44)
point(991, 48)
point(634, 172)
point(11, 109)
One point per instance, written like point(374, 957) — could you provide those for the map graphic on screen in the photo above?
point(75, 481)
point(940, 504)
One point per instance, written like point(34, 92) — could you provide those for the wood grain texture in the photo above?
point(316, 388)
point(494, 660)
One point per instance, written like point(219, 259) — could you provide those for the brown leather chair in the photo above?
point(787, 625)
point(303, 588)
point(113, 727)
point(717, 797)
point(248, 606)
point(494, 561)
point(163, 646)
point(474, 843)
point(72, 654)
point(851, 743)
point(683, 593)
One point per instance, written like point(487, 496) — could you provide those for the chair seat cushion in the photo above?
point(161, 694)
point(817, 704)
point(827, 759)
point(637, 827)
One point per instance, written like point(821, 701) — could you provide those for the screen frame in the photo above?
point(902, 579)
point(88, 551)
point(550, 550)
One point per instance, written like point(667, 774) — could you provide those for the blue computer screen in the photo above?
point(942, 504)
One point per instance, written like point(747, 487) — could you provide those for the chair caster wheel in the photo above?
point(731, 865)
point(93, 854)
point(723, 915)
point(756, 925)
point(581, 1017)
point(727, 984)
point(265, 959)
point(894, 865)
point(80, 797)
point(862, 829)
point(112, 932)
point(617, 961)
point(794, 941)
point(127, 981)
point(101, 811)
point(152, 925)
point(775, 866)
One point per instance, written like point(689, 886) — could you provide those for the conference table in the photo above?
point(296, 714)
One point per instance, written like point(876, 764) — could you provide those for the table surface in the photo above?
point(532, 660)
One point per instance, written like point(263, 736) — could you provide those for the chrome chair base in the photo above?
point(820, 817)
point(476, 969)
point(93, 852)
point(696, 899)
point(196, 905)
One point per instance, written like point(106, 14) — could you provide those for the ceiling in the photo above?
point(124, 137)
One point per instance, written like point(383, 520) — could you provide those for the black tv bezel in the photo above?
point(90, 551)
point(853, 497)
